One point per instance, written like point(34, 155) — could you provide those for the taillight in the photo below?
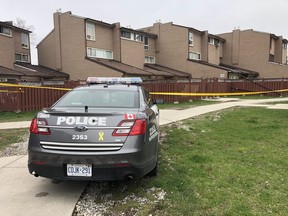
point(37, 126)
point(131, 128)
point(139, 127)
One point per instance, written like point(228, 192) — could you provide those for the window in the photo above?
point(194, 56)
point(3, 80)
point(126, 34)
point(90, 31)
point(150, 59)
point(100, 98)
point(214, 41)
point(146, 45)
point(25, 40)
point(191, 38)
point(99, 53)
point(147, 98)
point(5, 31)
point(138, 37)
point(132, 36)
point(284, 45)
point(22, 57)
point(211, 41)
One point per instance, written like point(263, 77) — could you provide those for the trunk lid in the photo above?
point(83, 130)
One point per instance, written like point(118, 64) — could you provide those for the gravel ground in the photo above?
point(102, 199)
point(119, 198)
point(16, 148)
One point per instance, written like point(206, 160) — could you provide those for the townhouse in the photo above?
point(196, 52)
point(78, 47)
point(84, 47)
point(15, 45)
point(15, 58)
point(258, 51)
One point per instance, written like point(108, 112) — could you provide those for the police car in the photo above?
point(105, 130)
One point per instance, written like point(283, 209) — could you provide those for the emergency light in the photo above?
point(114, 80)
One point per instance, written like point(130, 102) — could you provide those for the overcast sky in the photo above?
point(216, 16)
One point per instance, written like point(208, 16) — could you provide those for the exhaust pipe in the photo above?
point(35, 174)
point(128, 177)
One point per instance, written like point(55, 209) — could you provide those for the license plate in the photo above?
point(79, 170)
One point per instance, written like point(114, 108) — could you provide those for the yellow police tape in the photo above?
point(7, 91)
point(152, 93)
point(37, 87)
point(217, 94)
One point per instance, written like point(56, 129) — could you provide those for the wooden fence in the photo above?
point(215, 86)
point(31, 99)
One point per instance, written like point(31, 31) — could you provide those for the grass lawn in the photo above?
point(254, 97)
point(200, 102)
point(17, 116)
point(185, 105)
point(9, 136)
point(227, 163)
point(232, 162)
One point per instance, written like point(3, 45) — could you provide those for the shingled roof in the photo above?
point(8, 71)
point(38, 70)
point(170, 72)
point(148, 70)
point(27, 70)
point(240, 71)
point(123, 68)
point(229, 68)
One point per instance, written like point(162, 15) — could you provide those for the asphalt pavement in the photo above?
point(23, 194)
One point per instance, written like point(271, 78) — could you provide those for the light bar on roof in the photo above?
point(114, 80)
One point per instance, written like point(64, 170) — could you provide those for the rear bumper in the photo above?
point(104, 167)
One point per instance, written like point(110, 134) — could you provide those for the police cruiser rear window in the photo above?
point(100, 98)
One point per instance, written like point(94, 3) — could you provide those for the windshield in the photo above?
point(100, 98)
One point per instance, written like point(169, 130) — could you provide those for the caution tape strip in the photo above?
point(217, 94)
point(153, 93)
point(7, 91)
point(36, 87)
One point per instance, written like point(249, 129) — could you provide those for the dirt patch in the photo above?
point(16, 148)
point(114, 198)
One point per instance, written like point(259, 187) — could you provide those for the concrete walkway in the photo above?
point(168, 116)
point(23, 194)
point(11, 125)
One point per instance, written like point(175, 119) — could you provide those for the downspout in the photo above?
point(60, 40)
point(85, 33)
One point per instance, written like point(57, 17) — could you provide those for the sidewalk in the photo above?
point(168, 116)
point(13, 125)
point(23, 194)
